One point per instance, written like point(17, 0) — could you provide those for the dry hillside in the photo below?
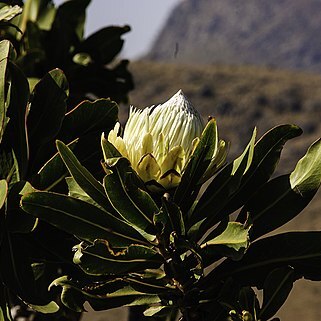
point(282, 33)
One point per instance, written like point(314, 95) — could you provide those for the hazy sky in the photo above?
point(145, 17)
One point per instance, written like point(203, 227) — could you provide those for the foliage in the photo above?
point(152, 249)
point(172, 252)
point(34, 112)
point(50, 37)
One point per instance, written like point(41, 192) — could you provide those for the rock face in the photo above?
point(279, 33)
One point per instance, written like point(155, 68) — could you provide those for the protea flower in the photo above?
point(158, 141)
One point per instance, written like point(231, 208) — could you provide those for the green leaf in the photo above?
point(72, 15)
point(276, 289)
point(17, 110)
point(232, 242)
point(88, 117)
point(51, 307)
point(186, 192)
point(132, 203)
point(72, 299)
point(300, 250)
point(266, 155)
point(3, 192)
point(306, 177)
point(284, 197)
point(17, 221)
point(47, 109)
point(83, 177)
point(248, 301)
point(161, 311)
point(5, 48)
point(219, 192)
point(16, 273)
point(52, 172)
point(9, 12)
point(108, 148)
point(66, 31)
point(235, 237)
point(107, 295)
point(174, 217)
point(101, 259)
point(5, 314)
point(104, 45)
point(75, 191)
point(146, 284)
point(80, 218)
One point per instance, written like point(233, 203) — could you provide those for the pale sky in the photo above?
point(146, 17)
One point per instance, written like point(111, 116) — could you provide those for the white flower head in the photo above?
point(158, 141)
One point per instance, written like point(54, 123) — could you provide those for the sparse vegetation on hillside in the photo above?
point(240, 97)
point(277, 33)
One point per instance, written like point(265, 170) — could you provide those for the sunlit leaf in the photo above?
point(51, 307)
point(5, 48)
point(232, 242)
point(3, 192)
point(9, 12)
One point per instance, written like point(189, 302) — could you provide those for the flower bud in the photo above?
point(158, 141)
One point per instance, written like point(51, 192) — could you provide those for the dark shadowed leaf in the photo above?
point(17, 220)
point(100, 259)
point(16, 273)
point(174, 217)
point(266, 156)
point(104, 45)
point(80, 218)
point(286, 196)
point(17, 110)
point(5, 314)
point(83, 177)
point(52, 172)
point(132, 203)
point(66, 31)
point(276, 289)
point(47, 109)
point(107, 295)
point(300, 250)
point(89, 117)
point(187, 190)
point(208, 210)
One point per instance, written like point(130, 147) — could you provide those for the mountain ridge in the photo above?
point(284, 33)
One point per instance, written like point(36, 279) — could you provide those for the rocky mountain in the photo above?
point(280, 33)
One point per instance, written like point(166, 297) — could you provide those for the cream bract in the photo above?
point(159, 140)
